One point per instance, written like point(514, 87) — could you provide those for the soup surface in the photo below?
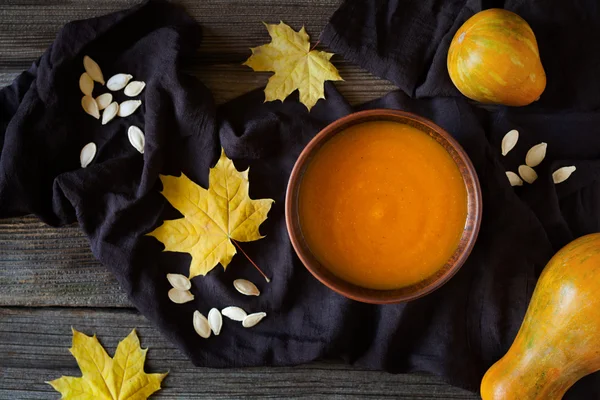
point(382, 205)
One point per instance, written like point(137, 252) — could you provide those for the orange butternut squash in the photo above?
point(559, 340)
point(494, 58)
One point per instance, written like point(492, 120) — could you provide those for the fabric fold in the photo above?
point(456, 332)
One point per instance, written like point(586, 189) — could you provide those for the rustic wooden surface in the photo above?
point(49, 281)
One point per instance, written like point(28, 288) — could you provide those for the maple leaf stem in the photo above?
point(249, 259)
point(316, 44)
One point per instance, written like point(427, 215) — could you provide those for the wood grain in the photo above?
point(34, 347)
point(230, 80)
point(54, 270)
point(230, 29)
point(45, 266)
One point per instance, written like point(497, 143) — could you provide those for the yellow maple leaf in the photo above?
point(211, 218)
point(296, 66)
point(105, 378)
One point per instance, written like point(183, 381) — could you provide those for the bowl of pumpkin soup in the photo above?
point(383, 206)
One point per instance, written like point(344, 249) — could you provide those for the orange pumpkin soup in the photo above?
point(382, 205)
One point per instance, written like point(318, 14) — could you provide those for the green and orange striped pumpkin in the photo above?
point(494, 58)
point(559, 340)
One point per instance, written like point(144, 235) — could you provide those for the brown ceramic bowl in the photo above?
point(409, 292)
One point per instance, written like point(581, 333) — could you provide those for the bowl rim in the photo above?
point(374, 296)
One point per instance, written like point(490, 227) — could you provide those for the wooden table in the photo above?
point(49, 280)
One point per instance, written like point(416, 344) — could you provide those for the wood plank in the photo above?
point(40, 265)
point(34, 348)
point(230, 27)
point(228, 81)
point(45, 266)
point(7, 77)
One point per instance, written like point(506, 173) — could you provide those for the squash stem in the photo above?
point(249, 259)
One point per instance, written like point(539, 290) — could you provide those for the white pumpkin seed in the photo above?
point(134, 88)
point(118, 82)
point(93, 69)
point(136, 138)
point(86, 84)
point(87, 154)
point(215, 321)
point(253, 319)
point(201, 325)
point(128, 107)
point(246, 287)
point(562, 174)
point(110, 112)
point(514, 179)
point(234, 313)
point(536, 154)
point(509, 141)
point(104, 100)
point(179, 281)
point(89, 106)
point(180, 296)
point(527, 173)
